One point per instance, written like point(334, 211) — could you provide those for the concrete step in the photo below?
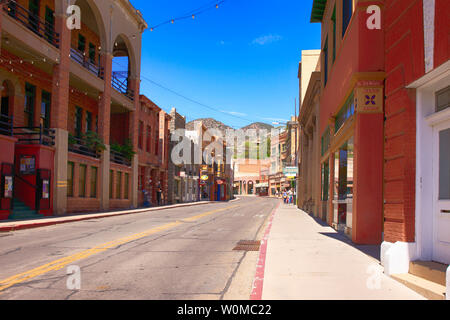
point(429, 270)
point(429, 289)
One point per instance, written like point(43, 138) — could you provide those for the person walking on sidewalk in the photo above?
point(284, 196)
point(158, 193)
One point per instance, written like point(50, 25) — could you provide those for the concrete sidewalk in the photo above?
point(7, 226)
point(308, 260)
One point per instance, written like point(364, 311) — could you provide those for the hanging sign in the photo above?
point(369, 100)
point(204, 177)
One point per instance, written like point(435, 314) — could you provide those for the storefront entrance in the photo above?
point(441, 214)
point(343, 188)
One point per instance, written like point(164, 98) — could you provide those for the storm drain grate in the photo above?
point(247, 245)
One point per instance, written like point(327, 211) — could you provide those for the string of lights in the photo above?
point(191, 14)
point(18, 65)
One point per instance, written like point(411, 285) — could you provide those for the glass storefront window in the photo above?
point(343, 184)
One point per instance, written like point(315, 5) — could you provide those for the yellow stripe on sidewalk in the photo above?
point(61, 263)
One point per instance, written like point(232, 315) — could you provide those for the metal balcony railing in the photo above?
point(83, 147)
point(35, 135)
point(119, 158)
point(85, 62)
point(6, 125)
point(32, 21)
point(119, 81)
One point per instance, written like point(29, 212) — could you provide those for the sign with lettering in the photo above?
point(369, 100)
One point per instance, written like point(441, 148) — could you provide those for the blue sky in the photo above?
point(241, 59)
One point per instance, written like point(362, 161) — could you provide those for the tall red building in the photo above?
point(153, 151)
point(351, 118)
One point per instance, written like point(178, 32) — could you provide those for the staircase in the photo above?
point(426, 278)
point(22, 212)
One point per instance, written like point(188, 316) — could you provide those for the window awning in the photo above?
point(318, 10)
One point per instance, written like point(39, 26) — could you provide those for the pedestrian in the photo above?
point(158, 193)
point(290, 196)
point(284, 196)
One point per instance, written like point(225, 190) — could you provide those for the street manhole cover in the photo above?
point(247, 245)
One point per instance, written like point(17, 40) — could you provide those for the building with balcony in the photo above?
point(69, 99)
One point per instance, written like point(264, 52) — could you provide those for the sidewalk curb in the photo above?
point(22, 225)
point(260, 267)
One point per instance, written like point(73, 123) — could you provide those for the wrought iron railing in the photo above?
point(119, 81)
point(84, 61)
point(42, 28)
point(6, 125)
point(83, 147)
point(119, 158)
point(35, 135)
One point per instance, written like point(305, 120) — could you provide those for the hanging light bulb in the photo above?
point(217, 6)
point(193, 16)
point(173, 21)
point(151, 29)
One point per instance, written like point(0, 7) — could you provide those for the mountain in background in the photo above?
point(211, 123)
point(258, 126)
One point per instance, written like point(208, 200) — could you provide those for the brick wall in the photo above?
point(85, 102)
point(442, 32)
point(24, 71)
point(90, 36)
point(404, 63)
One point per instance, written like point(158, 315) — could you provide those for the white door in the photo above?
point(441, 171)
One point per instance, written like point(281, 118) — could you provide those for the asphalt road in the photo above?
point(183, 253)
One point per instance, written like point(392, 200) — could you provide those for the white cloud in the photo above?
point(267, 39)
point(234, 113)
point(282, 121)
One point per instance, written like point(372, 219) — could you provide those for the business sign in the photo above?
point(204, 177)
point(290, 171)
point(220, 182)
point(369, 100)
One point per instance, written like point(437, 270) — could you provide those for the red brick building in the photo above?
point(153, 151)
point(351, 118)
point(69, 108)
point(417, 133)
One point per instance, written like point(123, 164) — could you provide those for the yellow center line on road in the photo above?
point(61, 263)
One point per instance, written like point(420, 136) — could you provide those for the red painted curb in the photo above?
point(26, 225)
point(260, 266)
